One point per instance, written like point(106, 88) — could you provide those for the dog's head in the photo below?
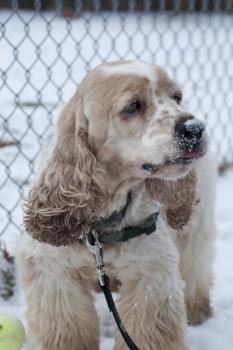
point(136, 121)
point(125, 122)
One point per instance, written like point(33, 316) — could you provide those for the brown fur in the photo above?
point(167, 335)
point(199, 309)
point(177, 198)
point(60, 214)
point(165, 83)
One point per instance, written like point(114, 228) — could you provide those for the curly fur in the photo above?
point(177, 197)
point(68, 195)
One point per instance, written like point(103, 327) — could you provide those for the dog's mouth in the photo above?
point(189, 153)
point(185, 156)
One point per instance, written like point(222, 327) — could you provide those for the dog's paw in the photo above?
point(199, 313)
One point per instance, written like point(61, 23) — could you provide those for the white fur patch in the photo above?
point(140, 68)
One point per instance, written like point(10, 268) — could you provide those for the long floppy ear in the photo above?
point(177, 198)
point(67, 193)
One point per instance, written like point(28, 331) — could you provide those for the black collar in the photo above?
point(147, 226)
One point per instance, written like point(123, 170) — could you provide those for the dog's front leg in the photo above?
point(60, 308)
point(151, 297)
point(196, 245)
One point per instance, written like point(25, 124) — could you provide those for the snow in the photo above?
point(90, 42)
point(193, 122)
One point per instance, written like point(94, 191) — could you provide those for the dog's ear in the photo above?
point(67, 192)
point(177, 198)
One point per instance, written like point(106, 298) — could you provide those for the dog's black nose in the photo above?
point(189, 128)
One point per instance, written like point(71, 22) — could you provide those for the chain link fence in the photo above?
point(45, 54)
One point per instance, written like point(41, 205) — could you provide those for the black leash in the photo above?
point(112, 307)
point(96, 248)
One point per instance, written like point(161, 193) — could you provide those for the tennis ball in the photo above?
point(12, 334)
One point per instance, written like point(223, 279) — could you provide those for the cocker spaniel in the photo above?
point(124, 131)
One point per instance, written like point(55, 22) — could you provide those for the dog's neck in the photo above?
point(117, 195)
point(114, 186)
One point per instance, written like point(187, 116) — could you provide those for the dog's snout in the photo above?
point(189, 128)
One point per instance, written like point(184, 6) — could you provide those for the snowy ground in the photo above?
point(206, 73)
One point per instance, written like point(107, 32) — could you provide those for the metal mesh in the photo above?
point(45, 54)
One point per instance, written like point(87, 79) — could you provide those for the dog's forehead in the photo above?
point(138, 69)
point(130, 67)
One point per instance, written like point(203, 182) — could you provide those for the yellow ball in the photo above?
point(12, 333)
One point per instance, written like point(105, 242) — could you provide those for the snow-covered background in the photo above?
point(43, 58)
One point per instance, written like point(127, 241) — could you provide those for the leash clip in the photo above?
point(96, 248)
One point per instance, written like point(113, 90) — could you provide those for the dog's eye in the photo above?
point(177, 97)
point(133, 107)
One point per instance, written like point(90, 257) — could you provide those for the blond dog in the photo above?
point(124, 131)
